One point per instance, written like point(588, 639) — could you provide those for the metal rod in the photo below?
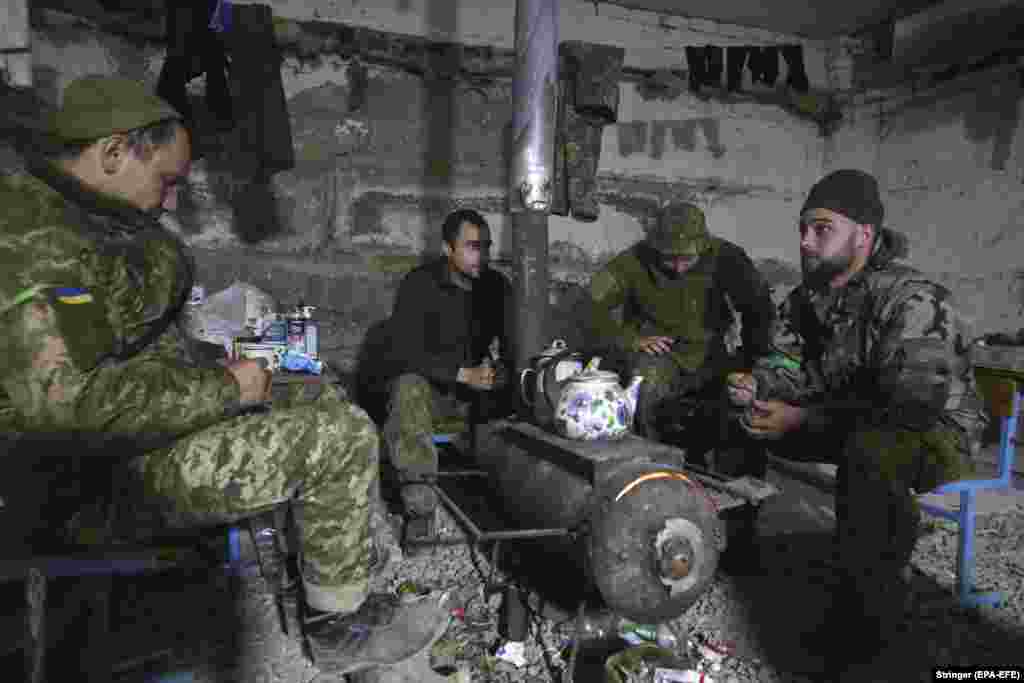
point(484, 536)
point(474, 530)
point(804, 474)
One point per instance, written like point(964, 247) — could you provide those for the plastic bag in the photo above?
point(240, 310)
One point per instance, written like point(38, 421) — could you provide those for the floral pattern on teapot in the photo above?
point(594, 407)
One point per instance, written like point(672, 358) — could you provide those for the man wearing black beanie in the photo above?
point(885, 386)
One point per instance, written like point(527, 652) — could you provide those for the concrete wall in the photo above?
point(370, 187)
point(951, 161)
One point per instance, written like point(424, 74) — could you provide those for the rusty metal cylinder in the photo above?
point(649, 537)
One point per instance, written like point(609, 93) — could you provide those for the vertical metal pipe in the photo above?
point(534, 91)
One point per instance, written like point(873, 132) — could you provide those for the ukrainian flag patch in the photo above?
point(73, 295)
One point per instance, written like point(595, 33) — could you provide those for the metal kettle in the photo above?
point(551, 370)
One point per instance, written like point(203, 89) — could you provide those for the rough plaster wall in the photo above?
point(952, 167)
point(365, 200)
point(651, 40)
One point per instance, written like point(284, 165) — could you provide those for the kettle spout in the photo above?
point(633, 393)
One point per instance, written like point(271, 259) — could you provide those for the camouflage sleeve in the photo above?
point(781, 374)
point(607, 292)
point(54, 386)
point(916, 357)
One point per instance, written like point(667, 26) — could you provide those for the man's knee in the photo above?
point(409, 391)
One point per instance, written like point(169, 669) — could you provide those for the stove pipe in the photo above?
point(531, 171)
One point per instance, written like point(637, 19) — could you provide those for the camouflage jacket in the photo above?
point(89, 301)
point(697, 308)
point(887, 348)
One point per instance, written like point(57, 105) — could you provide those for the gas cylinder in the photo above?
point(647, 536)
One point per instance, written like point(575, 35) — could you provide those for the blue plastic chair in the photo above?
point(1002, 394)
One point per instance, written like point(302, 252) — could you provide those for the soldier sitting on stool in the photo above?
point(439, 364)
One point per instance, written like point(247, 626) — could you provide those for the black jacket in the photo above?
point(437, 327)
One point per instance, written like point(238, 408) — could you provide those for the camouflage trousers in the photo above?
point(416, 410)
point(322, 453)
point(877, 515)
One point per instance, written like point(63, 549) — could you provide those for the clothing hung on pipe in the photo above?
point(588, 99)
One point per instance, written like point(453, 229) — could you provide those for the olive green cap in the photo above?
point(97, 106)
point(681, 230)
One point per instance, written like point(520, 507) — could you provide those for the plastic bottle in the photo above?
point(599, 625)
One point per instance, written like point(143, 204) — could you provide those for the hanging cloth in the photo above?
point(797, 78)
point(193, 48)
point(763, 63)
point(736, 59)
point(266, 132)
point(588, 101)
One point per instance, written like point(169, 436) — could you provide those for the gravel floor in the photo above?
point(213, 632)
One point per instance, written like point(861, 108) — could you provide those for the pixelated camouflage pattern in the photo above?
point(417, 410)
point(114, 365)
point(72, 366)
point(651, 303)
point(323, 452)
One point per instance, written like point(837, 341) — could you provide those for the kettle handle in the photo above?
point(522, 386)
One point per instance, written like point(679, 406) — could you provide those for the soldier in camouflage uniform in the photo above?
point(92, 352)
point(884, 385)
point(677, 291)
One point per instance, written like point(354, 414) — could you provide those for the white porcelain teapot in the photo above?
point(594, 406)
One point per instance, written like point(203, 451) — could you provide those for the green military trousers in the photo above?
point(416, 410)
point(322, 452)
point(877, 516)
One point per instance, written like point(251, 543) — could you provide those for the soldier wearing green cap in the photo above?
point(885, 390)
point(91, 352)
point(664, 306)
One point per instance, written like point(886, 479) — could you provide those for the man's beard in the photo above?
point(819, 271)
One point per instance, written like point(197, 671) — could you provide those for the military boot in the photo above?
point(383, 631)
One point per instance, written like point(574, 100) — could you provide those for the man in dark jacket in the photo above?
point(677, 291)
point(92, 352)
point(884, 389)
point(448, 335)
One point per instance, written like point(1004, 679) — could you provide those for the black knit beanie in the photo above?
point(850, 192)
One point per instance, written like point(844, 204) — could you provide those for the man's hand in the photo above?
point(253, 381)
point(654, 346)
point(481, 377)
point(772, 419)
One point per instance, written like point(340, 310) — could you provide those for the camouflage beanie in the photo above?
point(850, 192)
point(96, 106)
point(680, 231)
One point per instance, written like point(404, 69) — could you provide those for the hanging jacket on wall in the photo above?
point(763, 63)
point(736, 59)
point(194, 48)
point(588, 101)
point(265, 126)
point(706, 65)
point(797, 78)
